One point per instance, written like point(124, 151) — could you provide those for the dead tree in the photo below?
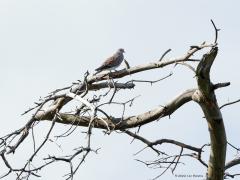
point(89, 114)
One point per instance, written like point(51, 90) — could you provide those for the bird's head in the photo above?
point(121, 50)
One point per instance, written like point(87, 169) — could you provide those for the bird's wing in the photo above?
point(111, 61)
point(108, 63)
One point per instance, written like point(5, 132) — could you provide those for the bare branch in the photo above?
point(127, 64)
point(178, 158)
point(177, 143)
point(187, 65)
point(133, 121)
point(221, 85)
point(232, 163)
point(40, 147)
point(234, 147)
point(117, 85)
point(149, 144)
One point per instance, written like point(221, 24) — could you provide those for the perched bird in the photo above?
point(112, 62)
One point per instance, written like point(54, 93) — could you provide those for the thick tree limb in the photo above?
point(102, 85)
point(130, 122)
point(232, 163)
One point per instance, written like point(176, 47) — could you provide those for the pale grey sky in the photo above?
point(48, 44)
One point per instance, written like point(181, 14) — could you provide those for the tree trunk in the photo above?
point(205, 97)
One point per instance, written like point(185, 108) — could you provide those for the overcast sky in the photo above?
point(48, 44)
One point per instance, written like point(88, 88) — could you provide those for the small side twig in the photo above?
point(230, 103)
point(149, 144)
point(178, 158)
point(149, 81)
point(216, 31)
point(164, 54)
point(187, 65)
point(220, 85)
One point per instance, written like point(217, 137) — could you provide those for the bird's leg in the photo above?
point(112, 81)
point(109, 77)
point(110, 73)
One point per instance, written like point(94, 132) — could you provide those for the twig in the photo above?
point(234, 147)
point(230, 103)
point(216, 31)
point(127, 64)
point(60, 89)
point(221, 85)
point(170, 164)
point(187, 65)
point(177, 143)
point(40, 147)
point(86, 85)
point(151, 82)
point(25, 131)
point(114, 91)
point(178, 158)
point(231, 175)
point(164, 54)
point(149, 144)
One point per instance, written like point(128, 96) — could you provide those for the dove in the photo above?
point(112, 62)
